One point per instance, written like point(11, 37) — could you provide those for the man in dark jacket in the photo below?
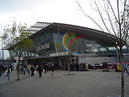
point(40, 69)
point(32, 70)
point(52, 69)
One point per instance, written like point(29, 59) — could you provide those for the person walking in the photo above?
point(8, 72)
point(45, 68)
point(28, 69)
point(40, 69)
point(126, 68)
point(52, 69)
point(32, 70)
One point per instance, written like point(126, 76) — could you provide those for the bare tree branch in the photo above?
point(112, 10)
point(88, 16)
point(119, 24)
point(123, 14)
point(102, 17)
point(125, 31)
point(109, 18)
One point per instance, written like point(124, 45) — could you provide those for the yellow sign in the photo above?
point(119, 67)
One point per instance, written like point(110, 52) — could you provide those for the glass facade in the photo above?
point(13, 54)
point(74, 42)
point(54, 41)
point(80, 43)
point(44, 44)
point(49, 43)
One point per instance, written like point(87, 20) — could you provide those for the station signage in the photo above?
point(43, 46)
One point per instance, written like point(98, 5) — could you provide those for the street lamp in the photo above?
point(117, 54)
point(117, 57)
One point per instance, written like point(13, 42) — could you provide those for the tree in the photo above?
point(18, 40)
point(115, 18)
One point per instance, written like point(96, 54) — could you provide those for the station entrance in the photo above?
point(60, 62)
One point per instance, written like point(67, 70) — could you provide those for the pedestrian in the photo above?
point(126, 68)
point(52, 69)
point(45, 68)
point(28, 69)
point(24, 69)
point(40, 69)
point(32, 70)
point(8, 72)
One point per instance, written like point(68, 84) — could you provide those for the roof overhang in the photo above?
point(102, 38)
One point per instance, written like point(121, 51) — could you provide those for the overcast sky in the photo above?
point(31, 11)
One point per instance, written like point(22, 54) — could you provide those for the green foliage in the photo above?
point(17, 37)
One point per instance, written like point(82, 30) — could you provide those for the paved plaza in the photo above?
point(78, 84)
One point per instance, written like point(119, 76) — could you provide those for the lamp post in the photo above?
point(117, 57)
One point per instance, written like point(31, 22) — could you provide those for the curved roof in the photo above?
point(102, 38)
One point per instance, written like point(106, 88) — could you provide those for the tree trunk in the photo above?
point(122, 72)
